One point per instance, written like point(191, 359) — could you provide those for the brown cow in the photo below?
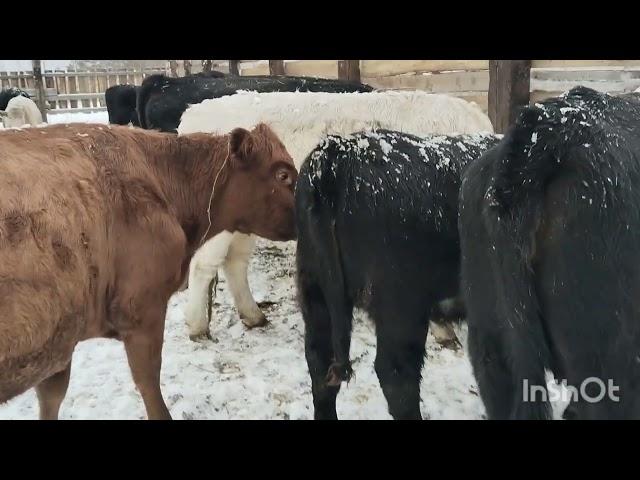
point(97, 228)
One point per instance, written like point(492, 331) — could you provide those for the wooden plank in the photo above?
point(73, 88)
point(509, 83)
point(173, 67)
point(187, 67)
point(433, 83)
point(312, 68)
point(539, 96)
point(276, 67)
point(234, 67)
point(583, 63)
point(261, 69)
point(349, 70)
point(76, 96)
point(563, 86)
point(41, 96)
point(480, 98)
point(379, 68)
point(79, 110)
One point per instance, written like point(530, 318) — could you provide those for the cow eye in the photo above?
point(283, 176)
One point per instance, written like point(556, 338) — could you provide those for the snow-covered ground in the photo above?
point(93, 117)
point(250, 374)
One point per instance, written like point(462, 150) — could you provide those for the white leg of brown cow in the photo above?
point(144, 353)
point(235, 271)
point(202, 270)
point(51, 392)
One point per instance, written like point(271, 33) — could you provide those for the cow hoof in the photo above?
point(261, 321)
point(200, 337)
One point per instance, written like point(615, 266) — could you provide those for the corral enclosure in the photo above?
point(83, 91)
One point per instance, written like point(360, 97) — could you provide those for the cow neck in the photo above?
point(188, 170)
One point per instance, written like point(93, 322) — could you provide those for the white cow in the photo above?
point(21, 111)
point(301, 120)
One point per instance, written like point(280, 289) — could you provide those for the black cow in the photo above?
point(550, 238)
point(8, 93)
point(121, 104)
point(162, 100)
point(377, 229)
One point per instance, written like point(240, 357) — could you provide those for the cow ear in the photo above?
point(241, 147)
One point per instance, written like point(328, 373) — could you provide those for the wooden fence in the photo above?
point(469, 78)
point(75, 91)
point(84, 91)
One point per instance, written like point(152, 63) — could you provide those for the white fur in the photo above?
point(21, 111)
point(203, 268)
point(301, 120)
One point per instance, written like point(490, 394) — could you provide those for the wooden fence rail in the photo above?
point(75, 91)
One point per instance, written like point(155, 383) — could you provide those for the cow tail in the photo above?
point(327, 245)
point(149, 85)
point(514, 214)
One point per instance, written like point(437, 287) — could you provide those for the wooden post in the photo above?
point(349, 70)
point(509, 84)
point(207, 65)
point(233, 67)
point(187, 67)
point(41, 95)
point(173, 66)
point(276, 67)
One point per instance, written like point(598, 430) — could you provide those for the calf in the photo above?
point(97, 228)
point(162, 100)
point(9, 93)
point(550, 238)
point(301, 120)
point(21, 111)
point(377, 229)
point(121, 104)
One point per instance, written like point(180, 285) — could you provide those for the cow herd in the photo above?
point(402, 204)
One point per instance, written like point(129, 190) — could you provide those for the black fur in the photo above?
point(377, 229)
point(162, 100)
point(121, 104)
point(550, 231)
point(8, 93)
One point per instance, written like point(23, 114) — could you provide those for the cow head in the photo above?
point(262, 183)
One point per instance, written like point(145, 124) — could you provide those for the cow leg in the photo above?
point(235, 271)
point(492, 372)
point(318, 350)
point(401, 338)
point(202, 272)
point(144, 353)
point(51, 391)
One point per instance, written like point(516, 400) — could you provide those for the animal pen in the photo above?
point(499, 87)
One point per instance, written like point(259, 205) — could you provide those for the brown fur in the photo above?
point(97, 227)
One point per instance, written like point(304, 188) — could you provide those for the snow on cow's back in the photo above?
point(302, 119)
